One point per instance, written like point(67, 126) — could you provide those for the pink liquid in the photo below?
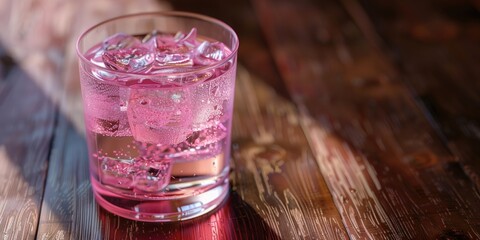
point(158, 148)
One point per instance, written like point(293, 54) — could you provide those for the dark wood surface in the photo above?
point(354, 119)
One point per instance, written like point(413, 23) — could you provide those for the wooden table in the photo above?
point(354, 119)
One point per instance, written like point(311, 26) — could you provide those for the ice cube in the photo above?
point(174, 56)
point(114, 42)
point(207, 135)
point(102, 75)
point(177, 55)
point(108, 125)
point(153, 176)
point(209, 52)
point(117, 172)
point(148, 38)
point(103, 107)
point(212, 102)
point(120, 41)
point(134, 59)
point(159, 116)
point(103, 113)
point(157, 41)
point(97, 58)
point(190, 40)
point(171, 51)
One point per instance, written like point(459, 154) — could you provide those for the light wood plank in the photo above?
point(27, 120)
point(275, 171)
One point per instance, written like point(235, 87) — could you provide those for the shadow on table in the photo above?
point(27, 117)
point(233, 220)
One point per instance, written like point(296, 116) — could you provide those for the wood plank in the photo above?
point(27, 119)
point(68, 205)
point(275, 171)
point(389, 173)
point(436, 47)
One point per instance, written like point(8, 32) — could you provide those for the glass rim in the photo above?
point(205, 18)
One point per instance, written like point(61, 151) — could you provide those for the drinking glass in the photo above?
point(158, 131)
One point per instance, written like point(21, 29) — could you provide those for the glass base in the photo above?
point(177, 209)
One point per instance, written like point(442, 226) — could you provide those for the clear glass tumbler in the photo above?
point(158, 93)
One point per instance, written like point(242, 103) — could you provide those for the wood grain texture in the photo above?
point(275, 171)
point(69, 210)
point(27, 120)
point(389, 173)
point(436, 47)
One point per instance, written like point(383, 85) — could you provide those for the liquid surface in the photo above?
point(158, 138)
